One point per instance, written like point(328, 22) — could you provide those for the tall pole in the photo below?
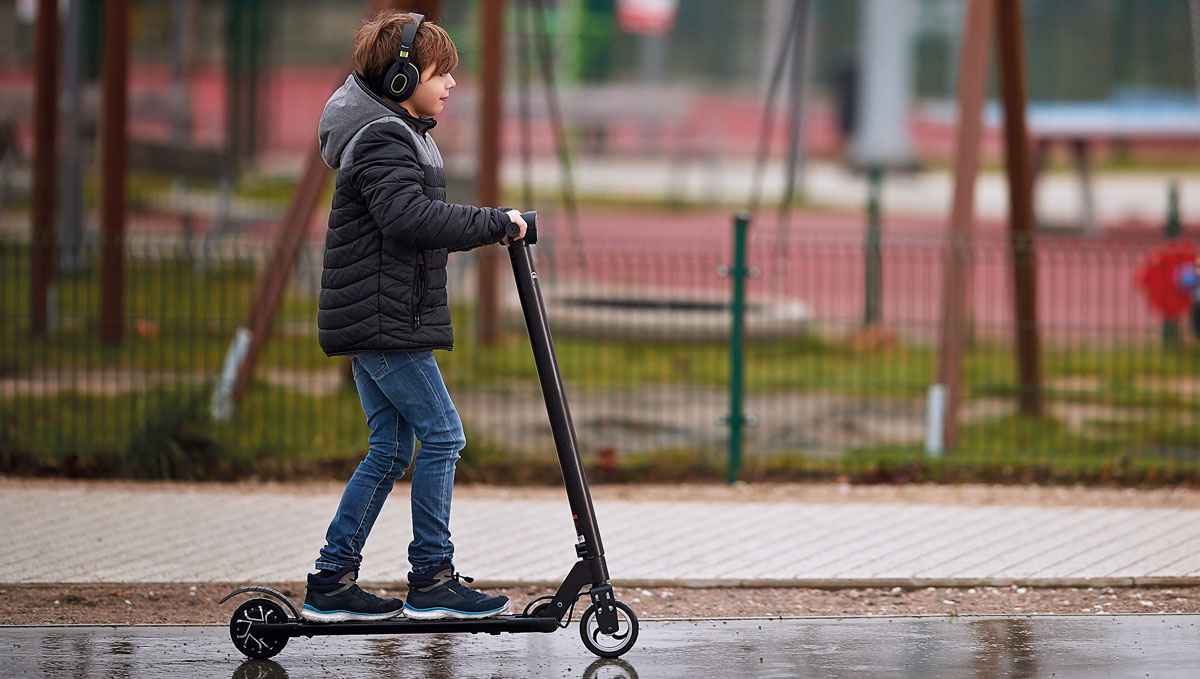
point(736, 419)
point(181, 55)
point(490, 79)
point(237, 95)
point(1171, 332)
point(1194, 10)
point(956, 272)
point(1020, 207)
point(112, 183)
point(71, 218)
point(873, 264)
point(45, 117)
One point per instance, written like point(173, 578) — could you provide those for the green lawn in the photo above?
point(1022, 449)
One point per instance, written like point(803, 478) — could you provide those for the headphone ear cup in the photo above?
point(399, 83)
point(413, 78)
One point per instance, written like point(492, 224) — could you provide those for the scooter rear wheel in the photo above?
point(609, 645)
point(250, 642)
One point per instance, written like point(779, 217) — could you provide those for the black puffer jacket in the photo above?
point(383, 286)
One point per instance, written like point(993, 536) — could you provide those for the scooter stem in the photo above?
point(588, 544)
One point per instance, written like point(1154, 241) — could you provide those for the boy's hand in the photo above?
point(515, 216)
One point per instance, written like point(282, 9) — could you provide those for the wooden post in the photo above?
point(1020, 206)
point(45, 156)
point(491, 77)
point(956, 274)
point(113, 138)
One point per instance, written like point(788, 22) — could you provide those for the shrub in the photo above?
point(173, 438)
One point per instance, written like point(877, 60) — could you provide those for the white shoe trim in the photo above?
point(313, 615)
point(447, 614)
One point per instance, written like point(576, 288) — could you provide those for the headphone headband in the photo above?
point(408, 35)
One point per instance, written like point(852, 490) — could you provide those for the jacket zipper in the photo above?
point(420, 296)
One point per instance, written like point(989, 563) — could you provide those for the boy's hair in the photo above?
point(378, 40)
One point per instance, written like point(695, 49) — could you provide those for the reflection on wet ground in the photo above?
point(1157, 646)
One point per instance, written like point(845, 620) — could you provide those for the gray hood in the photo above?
point(348, 112)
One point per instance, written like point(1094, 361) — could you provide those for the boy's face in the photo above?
point(431, 94)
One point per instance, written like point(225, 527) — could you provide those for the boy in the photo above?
point(383, 303)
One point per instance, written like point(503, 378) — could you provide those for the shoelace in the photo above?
point(370, 596)
point(459, 588)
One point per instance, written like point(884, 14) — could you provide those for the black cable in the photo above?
point(766, 126)
point(799, 29)
point(571, 611)
point(550, 597)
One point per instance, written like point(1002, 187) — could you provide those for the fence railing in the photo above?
point(642, 334)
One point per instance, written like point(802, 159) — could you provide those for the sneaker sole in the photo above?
point(447, 614)
point(313, 615)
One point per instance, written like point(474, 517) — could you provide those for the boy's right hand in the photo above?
point(515, 216)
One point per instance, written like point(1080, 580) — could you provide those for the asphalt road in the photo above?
point(1026, 647)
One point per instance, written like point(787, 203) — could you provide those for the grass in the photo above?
point(167, 432)
point(1014, 449)
point(180, 320)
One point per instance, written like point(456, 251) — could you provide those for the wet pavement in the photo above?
point(1067, 646)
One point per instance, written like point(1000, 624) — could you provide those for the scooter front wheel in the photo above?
point(609, 645)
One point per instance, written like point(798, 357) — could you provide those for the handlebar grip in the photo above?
point(512, 230)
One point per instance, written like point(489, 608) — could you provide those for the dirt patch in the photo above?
point(197, 604)
point(688, 417)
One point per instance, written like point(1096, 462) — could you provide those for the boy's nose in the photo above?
point(450, 83)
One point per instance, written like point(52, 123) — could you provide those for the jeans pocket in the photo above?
point(375, 363)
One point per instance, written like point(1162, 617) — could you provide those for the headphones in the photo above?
point(402, 77)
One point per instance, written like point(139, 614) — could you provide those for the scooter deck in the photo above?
point(499, 624)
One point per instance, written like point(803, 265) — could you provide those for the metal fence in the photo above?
point(642, 335)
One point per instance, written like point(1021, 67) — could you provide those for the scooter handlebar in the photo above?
point(512, 230)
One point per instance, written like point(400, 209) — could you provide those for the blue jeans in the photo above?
point(403, 396)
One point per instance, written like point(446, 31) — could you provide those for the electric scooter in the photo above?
point(260, 627)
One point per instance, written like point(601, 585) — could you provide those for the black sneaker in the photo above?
point(338, 598)
point(440, 594)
